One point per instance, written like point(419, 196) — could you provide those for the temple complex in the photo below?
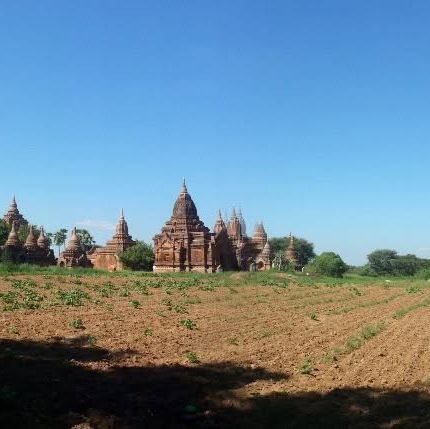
point(13, 216)
point(186, 244)
point(74, 254)
point(108, 257)
point(33, 251)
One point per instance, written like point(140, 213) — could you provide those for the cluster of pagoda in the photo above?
point(184, 244)
point(36, 250)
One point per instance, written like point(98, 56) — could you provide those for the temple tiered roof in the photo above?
point(14, 216)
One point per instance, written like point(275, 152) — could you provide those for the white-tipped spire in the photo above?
point(184, 189)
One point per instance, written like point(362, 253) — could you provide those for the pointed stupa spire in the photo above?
point(30, 242)
point(219, 223)
point(12, 239)
point(122, 214)
point(43, 240)
point(184, 189)
point(74, 241)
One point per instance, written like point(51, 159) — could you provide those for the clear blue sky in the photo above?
point(311, 115)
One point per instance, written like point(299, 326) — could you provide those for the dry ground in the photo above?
point(245, 350)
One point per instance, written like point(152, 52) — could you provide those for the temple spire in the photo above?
point(184, 189)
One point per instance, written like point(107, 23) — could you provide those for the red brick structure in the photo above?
point(13, 216)
point(186, 244)
point(107, 257)
point(291, 254)
point(74, 255)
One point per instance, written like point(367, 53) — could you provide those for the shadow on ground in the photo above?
point(48, 385)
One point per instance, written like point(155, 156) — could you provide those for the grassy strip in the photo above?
point(354, 343)
point(404, 311)
point(364, 305)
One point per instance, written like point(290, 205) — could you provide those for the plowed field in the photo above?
point(228, 350)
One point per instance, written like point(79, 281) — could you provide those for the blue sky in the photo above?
point(311, 115)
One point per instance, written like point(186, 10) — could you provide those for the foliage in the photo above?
point(87, 241)
point(307, 367)
point(385, 262)
point(305, 249)
point(4, 232)
point(139, 257)
point(193, 357)
point(59, 238)
point(328, 264)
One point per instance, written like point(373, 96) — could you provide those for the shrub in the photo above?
point(328, 264)
point(139, 257)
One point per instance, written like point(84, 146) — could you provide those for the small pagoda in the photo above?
point(37, 251)
point(292, 256)
point(108, 257)
point(13, 216)
point(74, 255)
point(12, 251)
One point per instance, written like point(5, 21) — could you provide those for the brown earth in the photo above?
point(271, 352)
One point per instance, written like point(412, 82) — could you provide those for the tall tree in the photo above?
point(59, 238)
point(87, 241)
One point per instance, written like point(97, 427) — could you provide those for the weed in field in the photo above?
point(148, 332)
point(234, 341)
point(77, 324)
point(403, 311)
point(332, 355)
point(92, 341)
point(313, 316)
point(124, 292)
point(73, 297)
point(371, 331)
point(353, 343)
point(48, 285)
point(189, 324)
point(192, 357)
point(356, 291)
point(12, 329)
point(413, 289)
point(107, 290)
point(193, 300)
point(266, 334)
point(307, 367)
point(135, 303)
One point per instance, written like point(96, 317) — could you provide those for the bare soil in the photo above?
point(212, 351)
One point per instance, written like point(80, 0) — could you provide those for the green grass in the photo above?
point(306, 367)
point(192, 357)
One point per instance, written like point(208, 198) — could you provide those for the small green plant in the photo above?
point(189, 324)
point(148, 332)
point(73, 297)
point(92, 341)
point(77, 324)
point(307, 367)
point(371, 331)
point(192, 357)
point(135, 303)
point(356, 291)
point(12, 329)
point(353, 343)
point(124, 292)
point(313, 316)
point(233, 341)
point(413, 289)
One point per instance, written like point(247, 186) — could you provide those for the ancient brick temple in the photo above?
point(13, 216)
point(108, 257)
point(186, 244)
point(74, 255)
point(33, 251)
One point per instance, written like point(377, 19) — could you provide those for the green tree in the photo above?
point(304, 248)
point(4, 232)
point(139, 257)
point(59, 238)
point(87, 241)
point(381, 262)
point(328, 264)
